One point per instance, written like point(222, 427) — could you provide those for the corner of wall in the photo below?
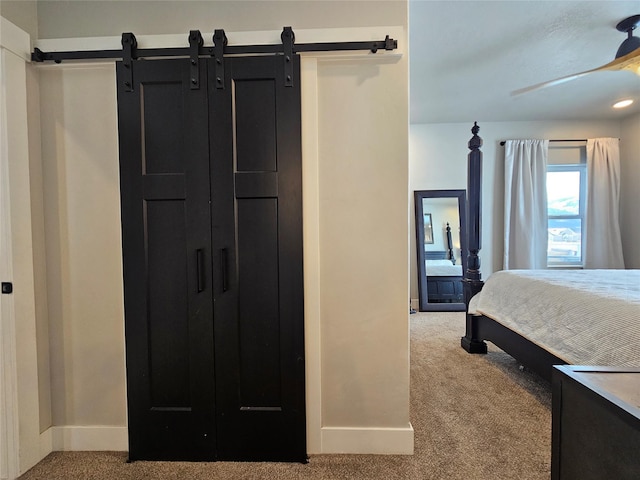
point(629, 196)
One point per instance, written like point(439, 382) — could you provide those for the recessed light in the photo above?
point(622, 103)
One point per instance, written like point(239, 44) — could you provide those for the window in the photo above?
point(566, 194)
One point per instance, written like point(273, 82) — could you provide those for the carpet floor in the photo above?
point(474, 417)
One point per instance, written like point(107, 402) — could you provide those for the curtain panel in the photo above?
point(525, 204)
point(603, 244)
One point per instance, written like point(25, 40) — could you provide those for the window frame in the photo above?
point(581, 168)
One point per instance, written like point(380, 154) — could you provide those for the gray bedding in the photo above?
point(585, 317)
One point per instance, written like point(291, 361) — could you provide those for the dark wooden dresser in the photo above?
point(596, 423)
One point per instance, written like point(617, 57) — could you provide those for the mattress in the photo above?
point(585, 317)
point(442, 268)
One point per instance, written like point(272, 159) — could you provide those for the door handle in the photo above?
point(200, 269)
point(224, 263)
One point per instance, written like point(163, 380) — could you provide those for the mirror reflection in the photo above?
point(439, 226)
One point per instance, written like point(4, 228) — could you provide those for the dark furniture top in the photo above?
point(596, 423)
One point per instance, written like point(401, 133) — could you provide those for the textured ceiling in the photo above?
point(467, 56)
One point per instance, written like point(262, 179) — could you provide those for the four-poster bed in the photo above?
point(545, 317)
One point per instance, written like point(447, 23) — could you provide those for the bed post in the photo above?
point(450, 253)
point(472, 281)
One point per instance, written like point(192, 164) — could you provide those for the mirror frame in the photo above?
point(419, 196)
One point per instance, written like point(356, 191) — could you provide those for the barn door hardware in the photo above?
point(195, 42)
point(130, 50)
point(288, 37)
point(219, 43)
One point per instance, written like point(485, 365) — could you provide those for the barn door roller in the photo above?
point(195, 42)
point(288, 38)
point(129, 52)
point(219, 42)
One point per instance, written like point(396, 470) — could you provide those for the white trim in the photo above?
point(9, 458)
point(89, 438)
point(311, 234)
point(395, 441)
point(14, 46)
point(14, 39)
point(334, 439)
point(14, 81)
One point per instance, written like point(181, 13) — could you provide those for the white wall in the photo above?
point(39, 247)
point(630, 190)
point(84, 263)
point(443, 211)
point(438, 160)
point(82, 18)
point(23, 14)
point(363, 238)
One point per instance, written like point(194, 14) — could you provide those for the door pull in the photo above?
point(200, 269)
point(224, 263)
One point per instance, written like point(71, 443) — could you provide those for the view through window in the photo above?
point(566, 187)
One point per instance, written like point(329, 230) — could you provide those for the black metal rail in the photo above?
point(373, 46)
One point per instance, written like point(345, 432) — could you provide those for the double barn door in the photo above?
point(212, 254)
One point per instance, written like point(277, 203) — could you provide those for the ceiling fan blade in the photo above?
point(630, 62)
point(551, 83)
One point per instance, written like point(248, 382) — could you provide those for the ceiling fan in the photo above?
point(627, 58)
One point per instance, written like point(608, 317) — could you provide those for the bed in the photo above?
point(547, 317)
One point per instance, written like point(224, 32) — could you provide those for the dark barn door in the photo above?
point(256, 180)
point(166, 243)
point(212, 255)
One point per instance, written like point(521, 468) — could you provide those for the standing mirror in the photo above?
point(440, 243)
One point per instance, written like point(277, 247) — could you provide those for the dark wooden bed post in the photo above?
point(472, 281)
point(450, 253)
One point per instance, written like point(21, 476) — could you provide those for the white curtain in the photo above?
point(525, 204)
point(603, 246)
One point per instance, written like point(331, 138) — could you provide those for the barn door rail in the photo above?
point(137, 53)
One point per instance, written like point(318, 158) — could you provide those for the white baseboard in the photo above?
point(46, 442)
point(415, 304)
point(396, 441)
point(84, 438)
point(385, 441)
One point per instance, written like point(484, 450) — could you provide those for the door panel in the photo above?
point(166, 243)
point(165, 223)
point(257, 183)
point(211, 192)
point(258, 304)
point(162, 115)
point(255, 127)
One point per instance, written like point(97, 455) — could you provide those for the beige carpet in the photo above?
point(475, 417)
